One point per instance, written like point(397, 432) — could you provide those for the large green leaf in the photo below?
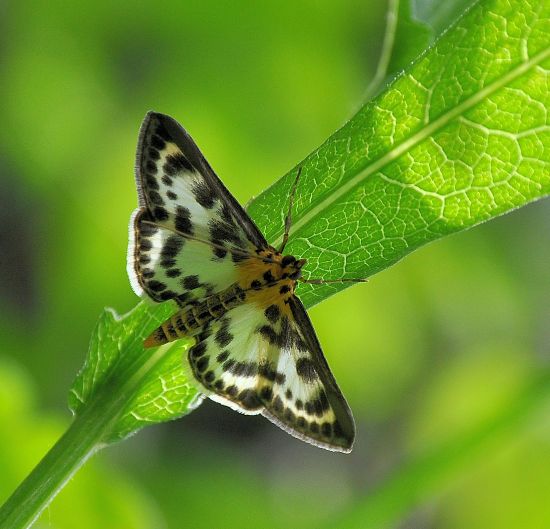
point(458, 139)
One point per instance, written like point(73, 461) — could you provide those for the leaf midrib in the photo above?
point(415, 139)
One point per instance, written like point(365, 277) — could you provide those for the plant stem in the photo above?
point(70, 452)
point(91, 430)
point(387, 49)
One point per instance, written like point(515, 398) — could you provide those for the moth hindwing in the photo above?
point(255, 348)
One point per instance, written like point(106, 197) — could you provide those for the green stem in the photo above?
point(90, 430)
point(387, 49)
point(72, 450)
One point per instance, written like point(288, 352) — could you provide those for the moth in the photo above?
point(255, 348)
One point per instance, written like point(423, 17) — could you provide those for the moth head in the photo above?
point(293, 266)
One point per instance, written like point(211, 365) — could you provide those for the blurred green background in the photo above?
point(438, 356)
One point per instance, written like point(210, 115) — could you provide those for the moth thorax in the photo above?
point(292, 267)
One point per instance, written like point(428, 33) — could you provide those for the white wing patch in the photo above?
point(184, 239)
point(261, 362)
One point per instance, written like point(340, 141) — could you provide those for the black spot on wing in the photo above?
point(222, 357)
point(153, 153)
point(198, 350)
point(306, 370)
point(190, 282)
point(223, 336)
point(167, 294)
point(323, 400)
point(160, 213)
point(170, 250)
point(151, 182)
point(326, 429)
point(202, 364)
point(155, 198)
point(145, 225)
point(244, 369)
point(223, 231)
point(338, 432)
point(145, 245)
point(220, 253)
point(225, 214)
point(269, 334)
point(266, 393)
point(318, 406)
point(176, 163)
point(157, 142)
point(183, 220)
point(283, 339)
point(156, 286)
point(272, 313)
point(203, 194)
point(168, 263)
point(288, 415)
point(277, 404)
point(228, 365)
point(266, 370)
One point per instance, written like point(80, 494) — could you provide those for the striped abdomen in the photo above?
point(191, 319)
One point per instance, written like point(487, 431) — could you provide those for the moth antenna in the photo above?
point(325, 281)
point(288, 219)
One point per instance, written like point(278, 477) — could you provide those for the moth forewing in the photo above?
point(255, 348)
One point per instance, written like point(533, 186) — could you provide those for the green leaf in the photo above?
point(411, 26)
point(458, 139)
point(149, 386)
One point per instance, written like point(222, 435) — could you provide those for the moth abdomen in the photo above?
point(190, 320)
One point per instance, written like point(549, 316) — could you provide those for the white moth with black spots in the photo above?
point(255, 348)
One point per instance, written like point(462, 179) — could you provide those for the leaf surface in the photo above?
point(459, 138)
point(141, 386)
